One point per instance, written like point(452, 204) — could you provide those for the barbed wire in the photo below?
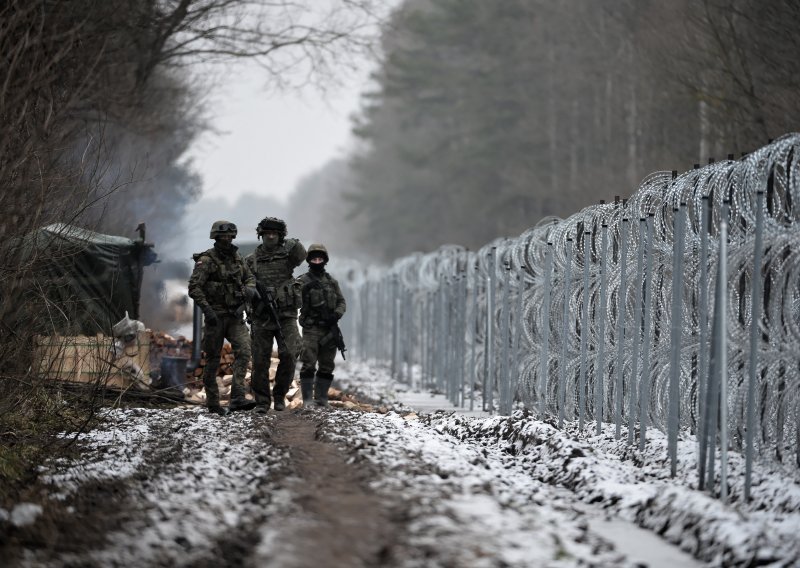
point(574, 318)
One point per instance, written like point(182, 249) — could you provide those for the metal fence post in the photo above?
point(488, 380)
point(716, 371)
point(636, 336)
point(723, 358)
point(621, 298)
point(460, 337)
point(675, 339)
point(600, 370)
point(644, 399)
point(518, 334)
point(424, 337)
point(433, 296)
point(584, 330)
point(562, 364)
point(755, 332)
point(442, 338)
point(474, 329)
point(396, 326)
point(505, 321)
point(544, 352)
point(702, 314)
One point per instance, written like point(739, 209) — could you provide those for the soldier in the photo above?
point(272, 263)
point(323, 307)
point(221, 284)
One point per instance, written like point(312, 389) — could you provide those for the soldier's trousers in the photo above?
point(233, 329)
point(263, 333)
point(314, 353)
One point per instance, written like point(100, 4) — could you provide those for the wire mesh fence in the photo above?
point(676, 309)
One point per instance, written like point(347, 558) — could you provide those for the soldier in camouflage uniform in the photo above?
point(323, 307)
point(272, 263)
point(221, 284)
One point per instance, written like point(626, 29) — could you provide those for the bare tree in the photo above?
point(97, 108)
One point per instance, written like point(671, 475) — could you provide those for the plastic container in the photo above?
point(173, 373)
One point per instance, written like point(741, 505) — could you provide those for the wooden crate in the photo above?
point(89, 359)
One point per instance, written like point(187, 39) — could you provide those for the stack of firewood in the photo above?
point(164, 345)
point(339, 399)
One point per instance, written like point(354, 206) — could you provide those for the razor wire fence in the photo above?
point(676, 309)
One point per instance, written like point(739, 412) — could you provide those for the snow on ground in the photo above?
point(631, 485)
point(468, 504)
point(189, 469)
point(182, 487)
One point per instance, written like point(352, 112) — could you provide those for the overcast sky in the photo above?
point(260, 144)
point(264, 142)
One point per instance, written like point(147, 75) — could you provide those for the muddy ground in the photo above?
point(296, 501)
point(333, 487)
point(157, 487)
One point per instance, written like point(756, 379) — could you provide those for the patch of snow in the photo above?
point(25, 514)
point(197, 478)
point(629, 486)
point(479, 490)
point(476, 508)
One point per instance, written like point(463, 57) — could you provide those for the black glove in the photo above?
point(210, 316)
point(251, 294)
point(333, 320)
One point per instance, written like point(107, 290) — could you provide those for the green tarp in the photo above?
point(76, 281)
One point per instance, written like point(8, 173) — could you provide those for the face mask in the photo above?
point(222, 246)
point(271, 241)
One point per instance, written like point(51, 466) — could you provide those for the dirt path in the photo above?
point(339, 521)
point(298, 489)
point(183, 487)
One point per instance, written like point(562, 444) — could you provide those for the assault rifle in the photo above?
point(335, 335)
point(267, 301)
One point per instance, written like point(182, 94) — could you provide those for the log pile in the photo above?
point(339, 399)
point(165, 345)
point(87, 359)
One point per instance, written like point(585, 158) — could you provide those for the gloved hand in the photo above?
point(333, 320)
point(210, 315)
point(251, 294)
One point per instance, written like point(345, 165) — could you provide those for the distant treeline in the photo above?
point(488, 116)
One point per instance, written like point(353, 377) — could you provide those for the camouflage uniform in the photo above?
point(323, 306)
point(218, 284)
point(272, 267)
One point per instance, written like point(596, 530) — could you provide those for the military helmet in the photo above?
point(317, 250)
point(220, 228)
point(271, 224)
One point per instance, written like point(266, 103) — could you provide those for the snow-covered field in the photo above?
point(629, 485)
point(181, 487)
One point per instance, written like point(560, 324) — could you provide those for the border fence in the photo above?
point(676, 309)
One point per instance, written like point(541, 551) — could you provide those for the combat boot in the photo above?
point(263, 404)
point(217, 409)
point(307, 389)
point(321, 386)
point(241, 404)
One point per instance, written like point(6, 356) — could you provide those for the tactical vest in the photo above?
point(319, 299)
point(225, 284)
point(273, 270)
